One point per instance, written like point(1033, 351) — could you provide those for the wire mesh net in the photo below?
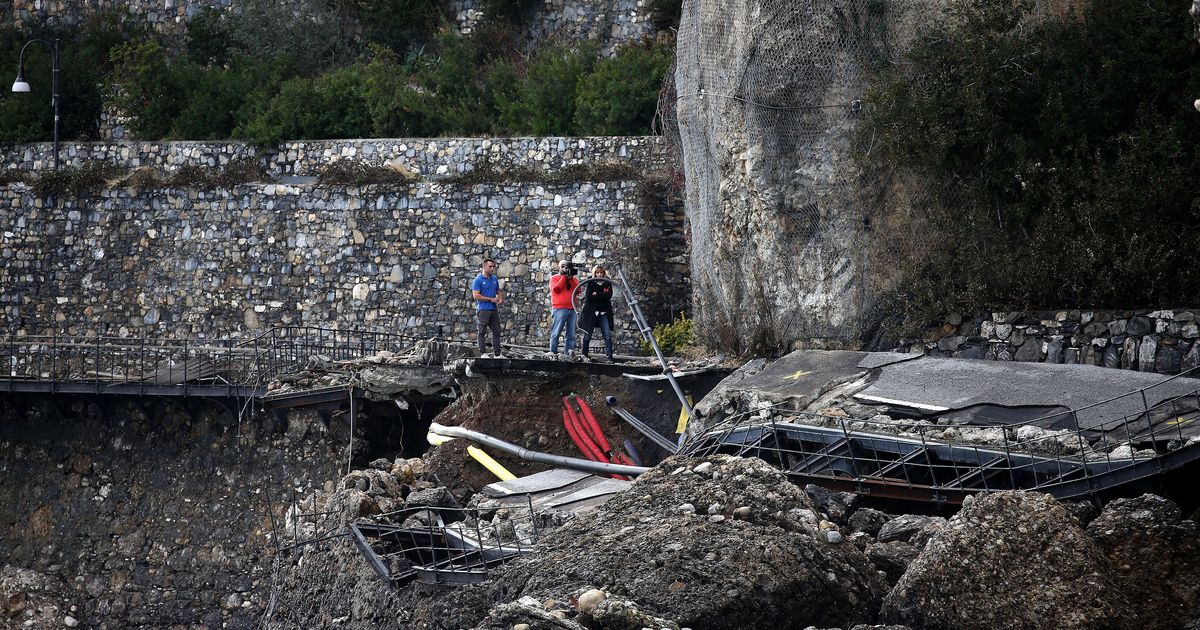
point(766, 99)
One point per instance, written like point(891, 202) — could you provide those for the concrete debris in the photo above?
point(1010, 560)
point(770, 568)
point(905, 527)
point(1156, 557)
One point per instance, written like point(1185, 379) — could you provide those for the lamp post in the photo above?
point(20, 85)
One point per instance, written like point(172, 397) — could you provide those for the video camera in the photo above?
point(572, 270)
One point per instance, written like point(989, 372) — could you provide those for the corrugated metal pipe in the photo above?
point(535, 456)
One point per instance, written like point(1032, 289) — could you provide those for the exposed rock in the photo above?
point(1147, 351)
point(1156, 555)
point(619, 613)
point(1010, 560)
point(905, 526)
point(772, 569)
point(1139, 325)
point(892, 558)
point(837, 505)
point(432, 497)
point(868, 520)
point(1167, 361)
point(521, 615)
point(769, 191)
point(1031, 350)
point(589, 600)
point(30, 597)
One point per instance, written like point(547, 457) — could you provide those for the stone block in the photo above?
point(1054, 352)
point(1147, 351)
point(1191, 358)
point(1129, 353)
point(1168, 360)
point(1030, 351)
point(1139, 325)
point(1112, 356)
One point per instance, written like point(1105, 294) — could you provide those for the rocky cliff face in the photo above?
point(768, 95)
point(786, 226)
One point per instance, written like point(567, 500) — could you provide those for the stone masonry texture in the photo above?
point(153, 513)
point(610, 23)
point(190, 263)
point(1165, 340)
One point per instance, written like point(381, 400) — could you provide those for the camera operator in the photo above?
point(562, 312)
point(597, 310)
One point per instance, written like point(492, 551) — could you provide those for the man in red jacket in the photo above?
point(562, 285)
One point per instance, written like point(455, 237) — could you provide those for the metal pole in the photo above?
point(648, 335)
point(350, 444)
point(54, 87)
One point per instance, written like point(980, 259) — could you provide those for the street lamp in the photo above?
point(20, 85)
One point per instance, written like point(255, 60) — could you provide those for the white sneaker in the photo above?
point(499, 356)
point(485, 355)
point(570, 355)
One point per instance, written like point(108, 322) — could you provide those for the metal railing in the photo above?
point(148, 365)
point(130, 364)
point(445, 545)
point(933, 461)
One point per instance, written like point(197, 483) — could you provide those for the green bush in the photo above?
point(209, 40)
point(257, 74)
point(543, 101)
point(1060, 153)
point(620, 96)
point(671, 337)
point(330, 106)
point(12, 176)
point(400, 25)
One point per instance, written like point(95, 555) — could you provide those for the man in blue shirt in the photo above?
point(486, 291)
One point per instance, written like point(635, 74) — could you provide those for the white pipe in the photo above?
point(535, 456)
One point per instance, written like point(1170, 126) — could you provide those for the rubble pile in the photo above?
point(713, 542)
point(728, 542)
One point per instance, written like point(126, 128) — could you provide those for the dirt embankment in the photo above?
point(528, 413)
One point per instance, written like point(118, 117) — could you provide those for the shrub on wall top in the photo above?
point(620, 97)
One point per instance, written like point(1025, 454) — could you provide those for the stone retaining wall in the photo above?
point(128, 512)
point(1164, 341)
point(427, 157)
point(202, 263)
point(609, 22)
point(164, 16)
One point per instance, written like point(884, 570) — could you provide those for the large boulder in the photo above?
point(906, 527)
point(1010, 560)
point(1156, 555)
point(719, 542)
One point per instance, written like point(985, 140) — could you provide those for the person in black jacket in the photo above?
point(597, 310)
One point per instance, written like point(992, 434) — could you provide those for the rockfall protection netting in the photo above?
point(765, 100)
point(792, 237)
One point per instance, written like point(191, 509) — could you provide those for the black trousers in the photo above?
point(489, 320)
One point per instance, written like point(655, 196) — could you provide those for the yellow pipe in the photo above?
point(480, 456)
point(490, 464)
